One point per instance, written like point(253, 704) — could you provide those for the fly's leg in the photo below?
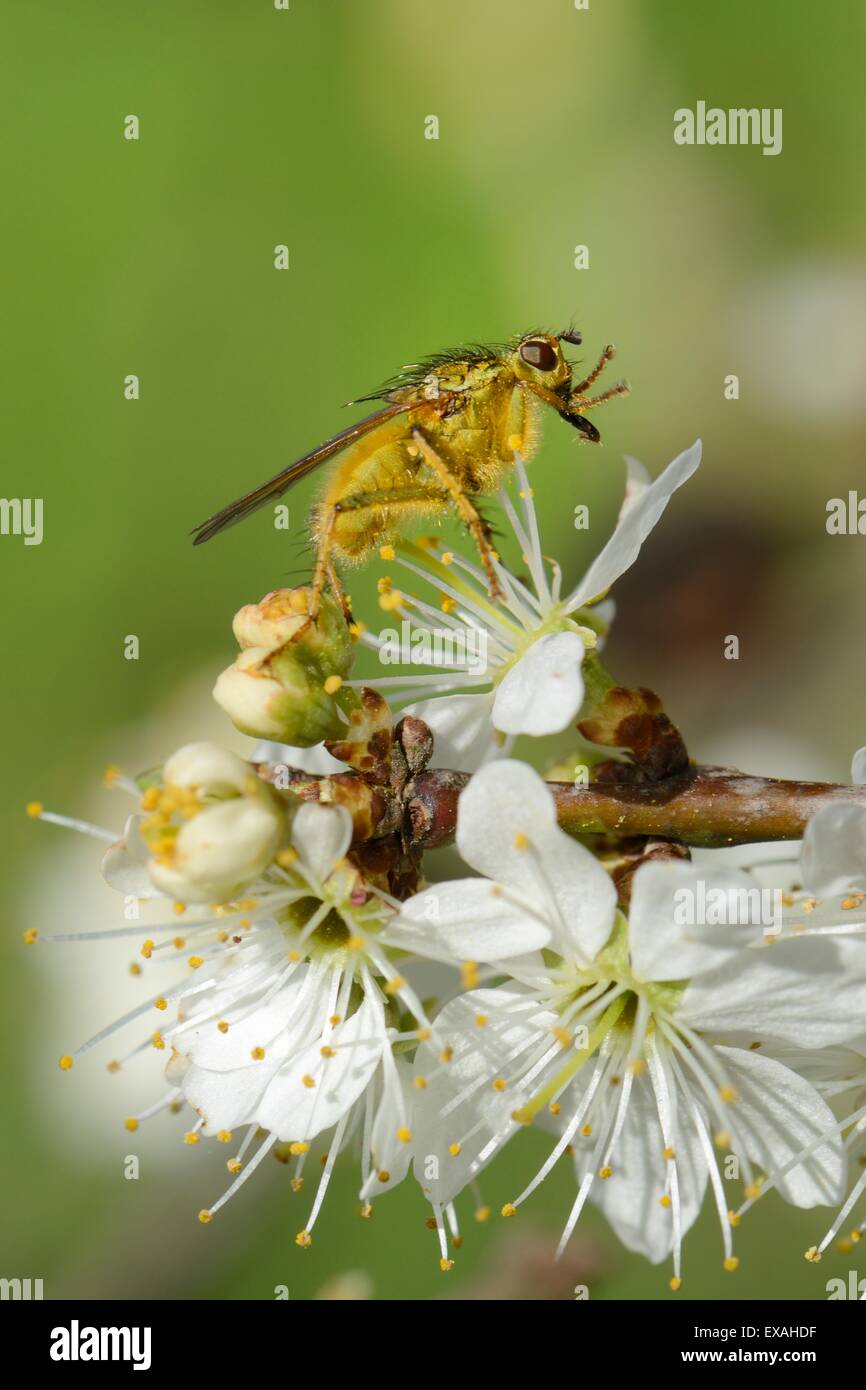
point(465, 510)
point(390, 499)
point(589, 402)
point(607, 355)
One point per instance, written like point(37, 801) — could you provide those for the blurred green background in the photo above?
point(155, 257)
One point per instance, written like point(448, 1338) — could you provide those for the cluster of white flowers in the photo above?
point(661, 1058)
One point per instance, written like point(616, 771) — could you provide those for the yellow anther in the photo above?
point(856, 1236)
point(664, 1201)
point(508, 1210)
point(34, 809)
point(390, 601)
point(482, 1214)
point(304, 1240)
point(521, 840)
point(447, 604)
point(179, 943)
point(454, 1150)
point(296, 1184)
point(730, 1263)
point(605, 1173)
point(447, 557)
point(194, 962)
point(554, 1107)
point(355, 943)
point(562, 1035)
point(113, 1066)
point(675, 1284)
point(386, 552)
point(446, 1054)
point(480, 1020)
point(669, 1153)
point(383, 1175)
point(234, 1165)
point(753, 1189)
point(335, 1019)
point(191, 1137)
point(134, 968)
point(205, 1216)
point(586, 1131)
point(394, 986)
point(734, 1218)
point(445, 1265)
point(160, 1003)
point(223, 1026)
point(637, 1066)
point(224, 1136)
point(404, 1135)
point(30, 935)
point(147, 949)
point(245, 923)
point(515, 442)
point(727, 1094)
point(366, 1211)
point(499, 1084)
point(423, 1034)
point(420, 1083)
point(157, 1041)
point(298, 1147)
point(257, 1054)
point(131, 1124)
point(332, 684)
point(843, 1246)
point(469, 973)
point(722, 1140)
point(308, 1082)
point(327, 1051)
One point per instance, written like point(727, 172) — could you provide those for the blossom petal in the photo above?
point(124, 865)
point(833, 855)
point(858, 767)
point(293, 1108)
point(316, 760)
point(809, 991)
point(507, 830)
point(543, 691)
point(463, 734)
point(470, 920)
point(666, 941)
point(321, 835)
point(780, 1114)
point(631, 1198)
point(638, 520)
point(464, 1120)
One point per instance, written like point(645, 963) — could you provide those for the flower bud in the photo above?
point(274, 695)
point(282, 618)
point(213, 826)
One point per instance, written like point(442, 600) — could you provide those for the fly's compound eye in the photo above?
point(539, 353)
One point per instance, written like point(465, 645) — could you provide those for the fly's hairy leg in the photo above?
point(589, 402)
point(465, 510)
point(607, 355)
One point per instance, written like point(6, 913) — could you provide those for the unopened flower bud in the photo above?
point(213, 827)
point(274, 695)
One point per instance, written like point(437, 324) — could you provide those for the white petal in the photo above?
point(295, 1110)
point(637, 480)
point(780, 1115)
point(507, 830)
point(469, 920)
point(208, 766)
point(463, 733)
point(809, 991)
point(543, 691)
point(321, 835)
point(666, 943)
point(858, 767)
point(124, 865)
point(285, 1023)
point(639, 519)
point(833, 855)
point(460, 1104)
point(631, 1197)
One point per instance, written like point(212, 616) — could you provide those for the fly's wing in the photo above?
point(275, 487)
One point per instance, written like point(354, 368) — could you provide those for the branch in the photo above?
point(707, 807)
